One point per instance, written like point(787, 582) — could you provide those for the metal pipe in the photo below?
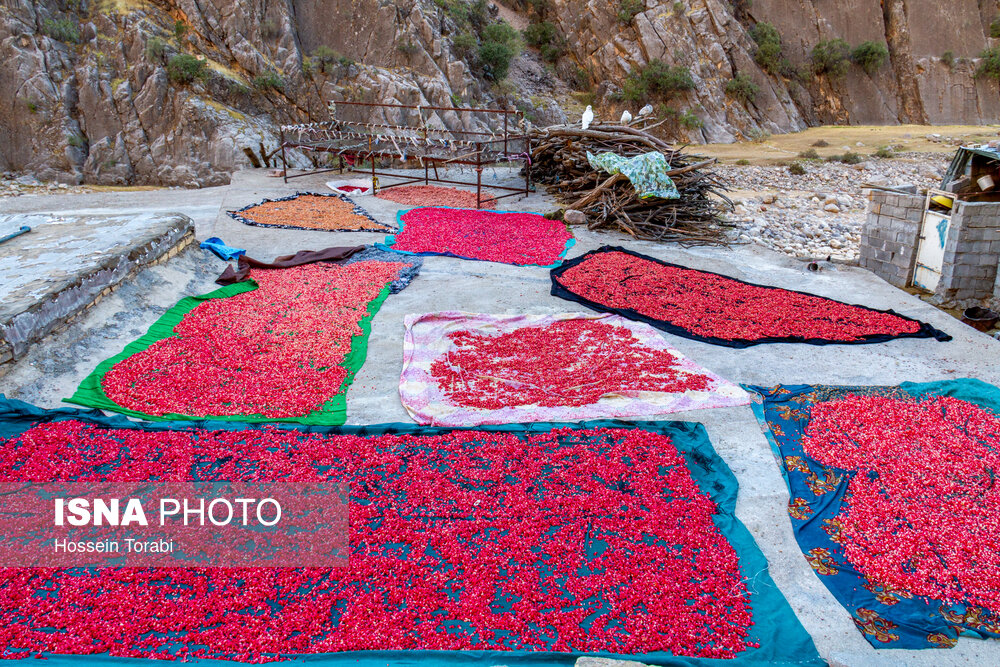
point(23, 230)
point(479, 176)
point(413, 106)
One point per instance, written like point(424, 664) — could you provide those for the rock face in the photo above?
point(711, 38)
point(88, 93)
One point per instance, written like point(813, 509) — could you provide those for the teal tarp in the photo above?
point(782, 639)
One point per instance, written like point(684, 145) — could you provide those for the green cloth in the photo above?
point(646, 172)
point(334, 412)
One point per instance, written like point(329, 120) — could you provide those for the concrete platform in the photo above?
point(66, 264)
point(52, 370)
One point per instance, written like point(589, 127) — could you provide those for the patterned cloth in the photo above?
point(432, 341)
point(916, 504)
point(646, 172)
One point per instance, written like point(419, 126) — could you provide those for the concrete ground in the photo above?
point(52, 370)
point(59, 265)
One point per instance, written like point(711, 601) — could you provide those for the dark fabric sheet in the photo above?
point(357, 210)
point(242, 271)
point(406, 276)
point(561, 291)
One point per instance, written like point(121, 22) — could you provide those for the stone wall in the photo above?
point(971, 254)
point(889, 237)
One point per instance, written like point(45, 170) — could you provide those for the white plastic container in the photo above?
point(355, 187)
point(986, 182)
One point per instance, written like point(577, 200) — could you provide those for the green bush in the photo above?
point(408, 48)
point(667, 80)
point(464, 44)
point(628, 9)
point(546, 38)
point(185, 68)
point(768, 53)
point(155, 48)
point(180, 29)
point(797, 169)
point(757, 135)
point(810, 154)
point(948, 58)
point(501, 33)
point(831, 57)
point(479, 14)
point(742, 88)
point(324, 57)
point(268, 81)
point(237, 87)
point(870, 56)
point(499, 44)
point(658, 79)
point(537, 34)
point(63, 30)
point(690, 120)
point(990, 65)
point(580, 78)
point(995, 28)
point(885, 152)
point(495, 58)
point(847, 158)
point(742, 162)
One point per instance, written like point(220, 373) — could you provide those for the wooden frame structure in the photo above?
point(355, 138)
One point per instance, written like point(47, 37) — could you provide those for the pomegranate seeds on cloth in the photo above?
point(598, 538)
point(720, 310)
point(309, 210)
point(466, 369)
point(507, 237)
point(282, 347)
point(895, 502)
point(435, 195)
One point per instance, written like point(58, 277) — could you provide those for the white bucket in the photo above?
point(355, 187)
point(986, 182)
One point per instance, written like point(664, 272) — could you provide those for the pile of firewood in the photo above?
point(559, 160)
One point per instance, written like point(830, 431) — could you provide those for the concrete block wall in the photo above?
point(889, 236)
point(971, 254)
point(995, 302)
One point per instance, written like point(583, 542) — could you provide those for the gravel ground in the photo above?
point(818, 214)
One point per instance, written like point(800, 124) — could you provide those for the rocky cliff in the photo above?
point(928, 76)
point(95, 91)
point(182, 92)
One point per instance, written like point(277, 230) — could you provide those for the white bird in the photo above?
point(626, 117)
point(646, 110)
point(588, 117)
